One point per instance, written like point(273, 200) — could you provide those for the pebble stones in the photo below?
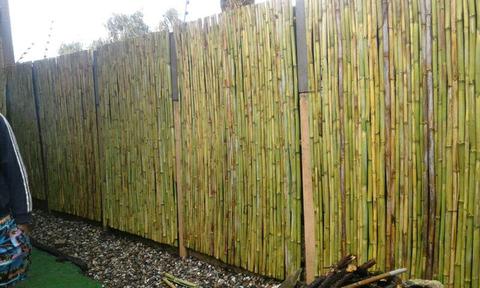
point(119, 261)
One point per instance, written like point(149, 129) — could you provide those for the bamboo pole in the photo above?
point(341, 126)
point(178, 143)
point(376, 278)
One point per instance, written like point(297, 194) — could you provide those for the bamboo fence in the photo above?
point(22, 118)
point(456, 74)
point(67, 118)
point(394, 135)
point(240, 133)
point(347, 108)
point(392, 108)
point(137, 139)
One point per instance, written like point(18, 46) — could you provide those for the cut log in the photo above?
point(336, 272)
point(362, 270)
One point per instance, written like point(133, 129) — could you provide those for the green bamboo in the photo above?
point(393, 97)
point(136, 134)
point(239, 104)
point(69, 133)
point(412, 225)
point(23, 119)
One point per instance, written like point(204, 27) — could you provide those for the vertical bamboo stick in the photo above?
point(178, 143)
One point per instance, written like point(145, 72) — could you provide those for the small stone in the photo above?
point(118, 261)
point(419, 283)
point(60, 242)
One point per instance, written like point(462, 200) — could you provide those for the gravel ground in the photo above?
point(119, 261)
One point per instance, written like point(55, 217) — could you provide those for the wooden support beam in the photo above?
point(6, 33)
point(178, 168)
point(308, 209)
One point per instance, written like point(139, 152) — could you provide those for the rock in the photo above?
point(119, 261)
point(59, 242)
point(419, 283)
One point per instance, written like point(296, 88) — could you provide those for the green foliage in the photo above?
point(123, 26)
point(97, 43)
point(170, 19)
point(234, 4)
point(68, 48)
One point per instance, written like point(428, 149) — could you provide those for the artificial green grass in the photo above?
point(46, 272)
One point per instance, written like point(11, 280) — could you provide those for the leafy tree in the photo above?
point(67, 48)
point(97, 43)
point(233, 4)
point(123, 26)
point(170, 19)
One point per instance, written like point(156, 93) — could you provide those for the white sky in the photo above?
point(83, 20)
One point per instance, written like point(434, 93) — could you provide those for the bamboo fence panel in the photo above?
point(137, 137)
point(342, 82)
point(409, 170)
point(23, 119)
point(456, 72)
point(348, 101)
point(371, 73)
point(67, 115)
point(240, 138)
point(395, 136)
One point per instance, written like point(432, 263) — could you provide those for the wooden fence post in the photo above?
point(308, 210)
point(178, 145)
point(6, 34)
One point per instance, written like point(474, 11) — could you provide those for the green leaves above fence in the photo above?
point(240, 133)
point(136, 136)
point(69, 131)
point(22, 117)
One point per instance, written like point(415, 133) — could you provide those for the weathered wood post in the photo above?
point(308, 210)
point(6, 33)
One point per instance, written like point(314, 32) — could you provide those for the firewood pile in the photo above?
point(345, 274)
